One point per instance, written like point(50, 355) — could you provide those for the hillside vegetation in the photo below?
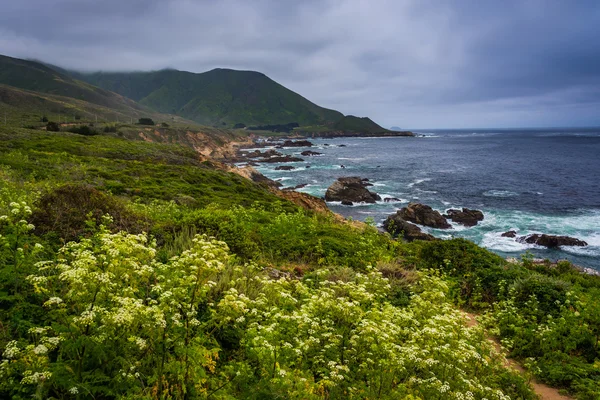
point(131, 269)
point(218, 97)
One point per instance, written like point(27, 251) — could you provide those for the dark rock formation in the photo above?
point(350, 189)
point(347, 203)
point(284, 168)
point(465, 217)
point(423, 215)
point(310, 153)
point(551, 240)
point(397, 226)
point(390, 199)
point(281, 159)
point(509, 234)
point(297, 143)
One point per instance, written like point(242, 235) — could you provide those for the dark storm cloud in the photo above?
point(409, 63)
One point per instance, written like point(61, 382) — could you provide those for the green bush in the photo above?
point(52, 127)
point(145, 121)
point(550, 293)
point(84, 130)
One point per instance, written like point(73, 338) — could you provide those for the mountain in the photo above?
point(37, 77)
point(222, 97)
point(30, 90)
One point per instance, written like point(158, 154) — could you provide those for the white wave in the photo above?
point(494, 241)
point(354, 204)
point(499, 193)
point(379, 184)
point(418, 181)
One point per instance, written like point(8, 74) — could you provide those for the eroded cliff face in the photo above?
point(215, 144)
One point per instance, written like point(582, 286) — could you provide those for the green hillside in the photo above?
point(352, 123)
point(218, 97)
point(34, 76)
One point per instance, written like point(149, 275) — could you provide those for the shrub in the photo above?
point(550, 293)
point(110, 128)
point(84, 130)
point(70, 210)
point(44, 119)
point(52, 127)
point(145, 121)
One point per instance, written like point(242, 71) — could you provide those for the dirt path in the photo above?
point(544, 391)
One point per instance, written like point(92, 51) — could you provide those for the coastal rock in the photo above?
point(297, 143)
point(350, 189)
point(396, 225)
point(423, 215)
point(281, 159)
point(284, 168)
point(391, 199)
point(465, 217)
point(551, 241)
point(255, 176)
point(347, 203)
point(509, 234)
point(310, 153)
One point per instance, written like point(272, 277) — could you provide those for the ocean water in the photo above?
point(531, 181)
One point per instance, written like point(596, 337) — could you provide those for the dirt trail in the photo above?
point(544, 391)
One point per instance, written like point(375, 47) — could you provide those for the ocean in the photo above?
point(530, 181)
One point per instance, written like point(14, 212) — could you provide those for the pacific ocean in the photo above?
point(527, 180)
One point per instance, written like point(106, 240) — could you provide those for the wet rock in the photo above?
point(310, 153)
point(297, 143)
point(281, 159)
point(347, 203)
point(509, 234)
point(391, 199)
point(350, 189)
point(423, 215)
point(284, 168)
point(465, 216)
point(397, 226)
point(551, 241)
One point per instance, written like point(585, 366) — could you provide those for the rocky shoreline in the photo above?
point(406, 223)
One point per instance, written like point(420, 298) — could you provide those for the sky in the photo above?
point(406, 63)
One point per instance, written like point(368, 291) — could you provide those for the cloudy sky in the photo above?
point(409, 63)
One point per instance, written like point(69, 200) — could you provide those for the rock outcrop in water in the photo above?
point(423, 215)
point(297, 143)
point(466, 217)
point(350, 189)
point(310, 153)
point(509, 234)
point(551, 241)
point(281, 159)
point(397, 226)
point(284, 168)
